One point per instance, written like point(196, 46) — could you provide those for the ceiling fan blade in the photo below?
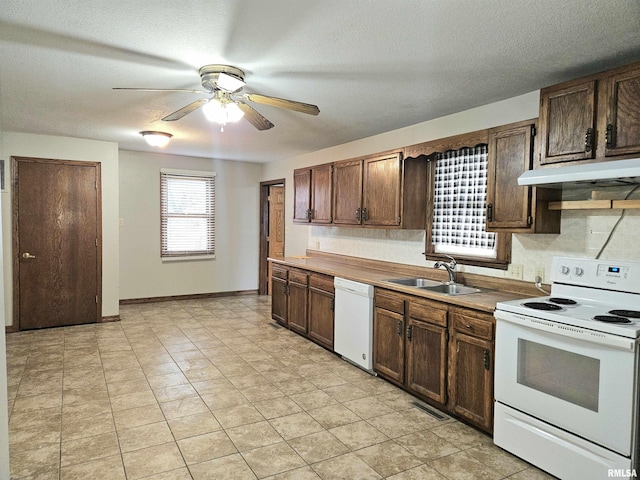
point(178, 114)
point(163, 90)
point(254, 118)
point(282, 103)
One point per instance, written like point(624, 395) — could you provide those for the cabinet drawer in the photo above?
point(279, 272)
point(389, 301)
point(297, 276)
point(321, 282)
point(478, 327)
point(430, 312)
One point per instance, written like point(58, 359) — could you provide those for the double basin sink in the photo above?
point(434, 286)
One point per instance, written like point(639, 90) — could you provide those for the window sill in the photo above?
point(188, 258)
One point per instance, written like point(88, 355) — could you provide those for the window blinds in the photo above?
point(460, 200)
point(187, 213)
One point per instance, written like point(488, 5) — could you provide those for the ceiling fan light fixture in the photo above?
point(156, 139)
point(222, 111)
point(229, 83)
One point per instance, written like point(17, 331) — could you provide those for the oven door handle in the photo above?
point(621, 343)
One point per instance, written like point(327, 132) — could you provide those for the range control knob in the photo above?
point(578, 271)
point(565, 270)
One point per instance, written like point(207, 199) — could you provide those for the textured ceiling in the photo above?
point(370, 65)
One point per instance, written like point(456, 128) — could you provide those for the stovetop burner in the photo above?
point(611, 319)
point(562, 301)
point(626, 313)
point(542, 306)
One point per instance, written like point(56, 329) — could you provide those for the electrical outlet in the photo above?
point(515, 271)
point(540, 273)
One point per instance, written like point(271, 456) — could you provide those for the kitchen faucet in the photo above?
point(450, 267)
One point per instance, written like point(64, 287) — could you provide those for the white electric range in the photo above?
point(566, 371)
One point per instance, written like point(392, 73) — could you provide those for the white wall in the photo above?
point(142, 273)
point(582, 233)
point(4, 413)
point(65, 148)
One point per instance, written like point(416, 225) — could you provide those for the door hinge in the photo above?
point(409, 332)
point(529, 220)
point(446, 335)
point(268, 198)
point(487, 360)
point(399, 220)
point(400, 327)
point(534, 131)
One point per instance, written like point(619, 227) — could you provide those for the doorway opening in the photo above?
point(271, 230)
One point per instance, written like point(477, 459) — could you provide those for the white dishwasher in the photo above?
point(353, 327)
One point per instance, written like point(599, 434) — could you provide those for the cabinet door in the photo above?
point(321, 182)
point(301, 195)
point(297, 313)
point(279, 301)
point(622, 129)
point(321, 307)
point(508, 204)
point(471, 379)
point(427, 360)
point(347, 192)
point(567, 123)
point(381, 191)
point(388, 344)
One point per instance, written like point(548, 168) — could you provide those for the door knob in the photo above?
point(28, 255)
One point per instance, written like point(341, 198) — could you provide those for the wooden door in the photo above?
point(568, 122)
point(381, 191)
point(321, 194)
point(321, 319)
point(388, 344)
point(347, 192)
point(471, 379)
point(275, 237)
point(622, 129)
point(427, 360)
point(57, 242)
point(301, 195)
point(510, 155)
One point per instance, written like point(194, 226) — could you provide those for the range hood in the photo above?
point(601, 174)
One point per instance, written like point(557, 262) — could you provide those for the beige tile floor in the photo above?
point(212, 389)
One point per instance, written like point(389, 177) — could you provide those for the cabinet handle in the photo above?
point(490, 212)
point(309, 214)
point(609, 135)
point(487, 360)
point(588, 140)
point(400, 328)
point(365, 215)
point(359, 214)
point(409, 332)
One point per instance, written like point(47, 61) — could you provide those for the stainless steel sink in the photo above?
point(415, 282)
point(451, 289)
point(434, 286)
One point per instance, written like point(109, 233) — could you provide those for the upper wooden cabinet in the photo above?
point(380, 191)
point(591, 119)
point(510, 207)
point(312, 194)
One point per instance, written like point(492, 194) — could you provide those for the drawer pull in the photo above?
point(469, 327)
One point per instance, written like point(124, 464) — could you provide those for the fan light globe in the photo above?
point(222, 112)
point(156, 139)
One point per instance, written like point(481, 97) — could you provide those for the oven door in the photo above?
point(576, 379)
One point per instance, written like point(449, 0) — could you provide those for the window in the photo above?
point(457, 222)
point(187, 201)
point(460, 202)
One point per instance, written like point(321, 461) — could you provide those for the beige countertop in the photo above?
point(485, 300)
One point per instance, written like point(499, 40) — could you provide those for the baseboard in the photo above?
point(111, 318)
point(10, 329)
point(194, 296)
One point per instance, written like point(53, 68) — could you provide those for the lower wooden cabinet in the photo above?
point(471, 367)
point(279, 297)
point(298, 301)
point(304, 302)
point(440, 353)
point(321, 308)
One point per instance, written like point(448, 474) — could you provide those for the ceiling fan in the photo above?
point(223, 84)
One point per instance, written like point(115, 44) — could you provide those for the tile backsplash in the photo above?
point(583, 233)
